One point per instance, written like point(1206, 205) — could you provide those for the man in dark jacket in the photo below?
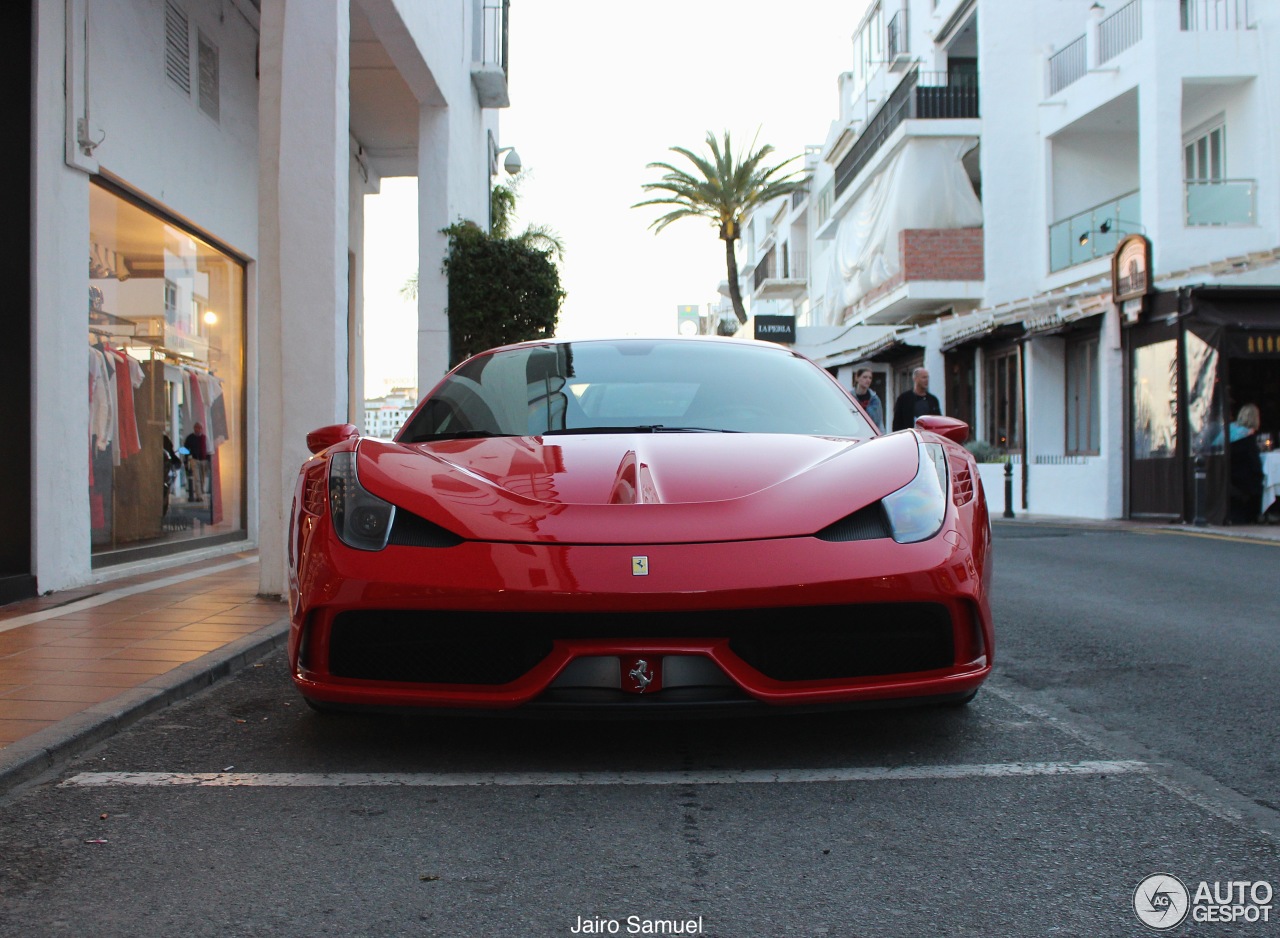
point(197, 446)
point(916, 402)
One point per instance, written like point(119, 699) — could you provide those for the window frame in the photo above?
point(1006, 412)
point(1082, 423)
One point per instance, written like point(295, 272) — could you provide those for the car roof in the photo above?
point(633, 339)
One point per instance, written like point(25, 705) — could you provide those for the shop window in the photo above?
point(166, 366)
point(1084, 433)
point(1155, 400)
point(1002, 399)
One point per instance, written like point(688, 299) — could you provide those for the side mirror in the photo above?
point(322, 439)
point(955, 430)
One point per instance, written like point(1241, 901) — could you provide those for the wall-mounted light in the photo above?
point(210, 318)
point(1107, 224)
point(511, 164)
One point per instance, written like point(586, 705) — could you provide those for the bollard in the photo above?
point(1202, 491)
point(1008, 489)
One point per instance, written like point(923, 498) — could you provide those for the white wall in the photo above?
point(152, 140)
point(159, 141)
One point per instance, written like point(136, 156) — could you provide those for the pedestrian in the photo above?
point(868, 398)
point(197, 447)
point(915, 402)
point(1246, 466)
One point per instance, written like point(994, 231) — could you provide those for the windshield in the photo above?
point(633, 386)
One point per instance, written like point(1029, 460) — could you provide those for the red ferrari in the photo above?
point(639, 525)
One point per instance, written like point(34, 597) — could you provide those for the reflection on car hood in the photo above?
point(630, 488)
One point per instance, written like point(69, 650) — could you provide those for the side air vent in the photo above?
point(865, 524)
point(408, 530)
point(177, 47)
point(962, 486)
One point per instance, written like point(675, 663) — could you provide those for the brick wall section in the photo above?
point(941, 253)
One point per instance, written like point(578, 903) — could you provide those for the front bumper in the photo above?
point(795, 621)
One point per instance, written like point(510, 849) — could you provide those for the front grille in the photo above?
point(433, 647)
point(801, 643)
point(834, 642)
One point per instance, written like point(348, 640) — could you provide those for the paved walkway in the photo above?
point(79, 665)
point(76, 666)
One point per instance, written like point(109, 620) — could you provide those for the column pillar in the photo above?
point(304, 160)
point(434, 214)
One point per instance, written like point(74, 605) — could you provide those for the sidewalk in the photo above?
point(1247, 532)
point(77, 666)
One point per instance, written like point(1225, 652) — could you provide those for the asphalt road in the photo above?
point(1130, 730)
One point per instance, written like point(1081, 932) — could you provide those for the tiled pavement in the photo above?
point(77, 665)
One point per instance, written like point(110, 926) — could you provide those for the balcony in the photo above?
point(920, 95)
point(937, 268)
point(489, 54)
point(1221, 201)
point(1093, 233)
point(780, 275)
point(1212, 15)
point(1114, 34)
point(1119, 31)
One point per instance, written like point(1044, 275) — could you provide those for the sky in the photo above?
point(599, 90)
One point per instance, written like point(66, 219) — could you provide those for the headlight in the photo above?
point(360, 519)
point(916, 511)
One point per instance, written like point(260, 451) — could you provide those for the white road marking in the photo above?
point(544, 779)
point(101, 599)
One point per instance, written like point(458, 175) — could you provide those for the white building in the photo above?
point(384, 416)
point(989, 160)
point(209, 159)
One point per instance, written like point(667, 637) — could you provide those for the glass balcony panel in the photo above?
point(1220, 201)
point(1081, 237)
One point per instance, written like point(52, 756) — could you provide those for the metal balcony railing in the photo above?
point(493, 34)
point(896, 36)
point(1209, 15)
point(923, 95)
point(1068, 65)
point(1221, 201)
point(1095, 232)
point(1119, 31)
point(775, 265)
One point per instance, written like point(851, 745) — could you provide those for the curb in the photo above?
point(50, 748)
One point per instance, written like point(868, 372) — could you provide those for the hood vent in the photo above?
point(408, 530)
point(865, 524)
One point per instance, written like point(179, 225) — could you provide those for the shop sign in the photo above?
point(1131, 269)
point(776, 329)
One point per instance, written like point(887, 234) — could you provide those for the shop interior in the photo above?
point(165, 328)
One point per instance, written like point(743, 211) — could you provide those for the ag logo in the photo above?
point(1161, 901)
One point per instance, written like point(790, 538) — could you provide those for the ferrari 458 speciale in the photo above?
point(640, 526)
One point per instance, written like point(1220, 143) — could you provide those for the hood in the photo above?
point(637, 488)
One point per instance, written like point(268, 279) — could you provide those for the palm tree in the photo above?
point(722, 190)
